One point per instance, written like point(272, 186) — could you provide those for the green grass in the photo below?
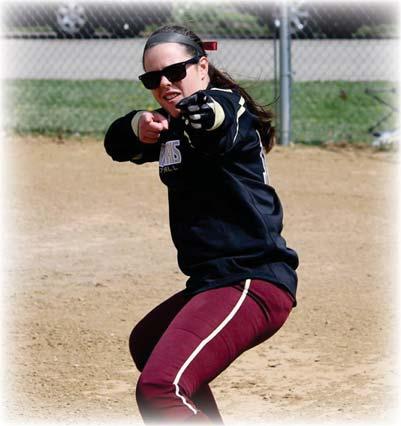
point(340, 111)
point(54, 107)
point(321, 111)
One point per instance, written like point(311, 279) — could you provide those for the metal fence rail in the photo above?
point(341, 51)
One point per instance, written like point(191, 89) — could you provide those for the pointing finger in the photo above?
point(155, 126)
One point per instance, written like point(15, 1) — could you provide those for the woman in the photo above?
point(225, 221)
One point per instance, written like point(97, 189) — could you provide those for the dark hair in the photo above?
point(223, 80)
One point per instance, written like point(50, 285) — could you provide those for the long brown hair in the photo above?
point(223, 80)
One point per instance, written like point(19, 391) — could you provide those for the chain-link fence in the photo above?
point(72, 67)
point(349, 50)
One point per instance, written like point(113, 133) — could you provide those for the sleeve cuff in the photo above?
point(135, 123)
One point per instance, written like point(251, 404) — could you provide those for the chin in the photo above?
point(174, 112)
point(170, 106)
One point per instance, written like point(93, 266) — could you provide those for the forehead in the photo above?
point(162, 55)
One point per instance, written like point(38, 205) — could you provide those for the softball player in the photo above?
point(209, 138)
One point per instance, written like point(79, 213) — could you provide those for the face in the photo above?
point(168, 94)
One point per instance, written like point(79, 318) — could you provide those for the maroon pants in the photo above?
point(185, 342)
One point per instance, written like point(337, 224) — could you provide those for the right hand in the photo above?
point(198, 110)
point(150, 125)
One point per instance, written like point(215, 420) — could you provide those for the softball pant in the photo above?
point(186, 342)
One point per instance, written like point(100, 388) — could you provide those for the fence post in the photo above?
point(285, 76)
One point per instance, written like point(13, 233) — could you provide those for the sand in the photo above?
point(88, 253)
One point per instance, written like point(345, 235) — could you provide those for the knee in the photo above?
point(151, 387)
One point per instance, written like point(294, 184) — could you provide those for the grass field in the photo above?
point(321, 111)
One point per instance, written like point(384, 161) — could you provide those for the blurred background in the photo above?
point(70, 68)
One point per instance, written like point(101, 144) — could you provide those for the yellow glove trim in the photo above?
point(219, 115)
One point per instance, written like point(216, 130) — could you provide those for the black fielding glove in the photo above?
point(198, 111)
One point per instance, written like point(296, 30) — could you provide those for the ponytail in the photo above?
point(264, 116)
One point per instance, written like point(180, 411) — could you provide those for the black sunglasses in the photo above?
point(175, 72)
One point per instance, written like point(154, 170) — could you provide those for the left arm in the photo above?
point(212, 119)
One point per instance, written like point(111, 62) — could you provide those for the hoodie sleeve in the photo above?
point(231, 119)
point(122, 143)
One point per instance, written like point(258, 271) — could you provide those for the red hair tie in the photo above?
point(209, 45)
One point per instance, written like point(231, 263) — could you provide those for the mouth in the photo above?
point(171, 97)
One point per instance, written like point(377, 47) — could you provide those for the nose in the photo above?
point(164, 81)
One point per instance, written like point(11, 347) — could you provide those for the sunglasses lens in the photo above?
point(175, 72)
point(151, 80)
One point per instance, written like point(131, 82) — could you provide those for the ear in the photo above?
point(204, 67)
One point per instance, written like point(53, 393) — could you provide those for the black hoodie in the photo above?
point(225, 219)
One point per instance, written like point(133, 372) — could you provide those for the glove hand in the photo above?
point(198, 111)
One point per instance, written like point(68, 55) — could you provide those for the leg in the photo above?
point(148, 332)
point(208, 333)
point(206, 403)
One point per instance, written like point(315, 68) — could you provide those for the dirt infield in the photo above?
point(89, 253)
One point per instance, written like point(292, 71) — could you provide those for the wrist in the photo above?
point(135, 123)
